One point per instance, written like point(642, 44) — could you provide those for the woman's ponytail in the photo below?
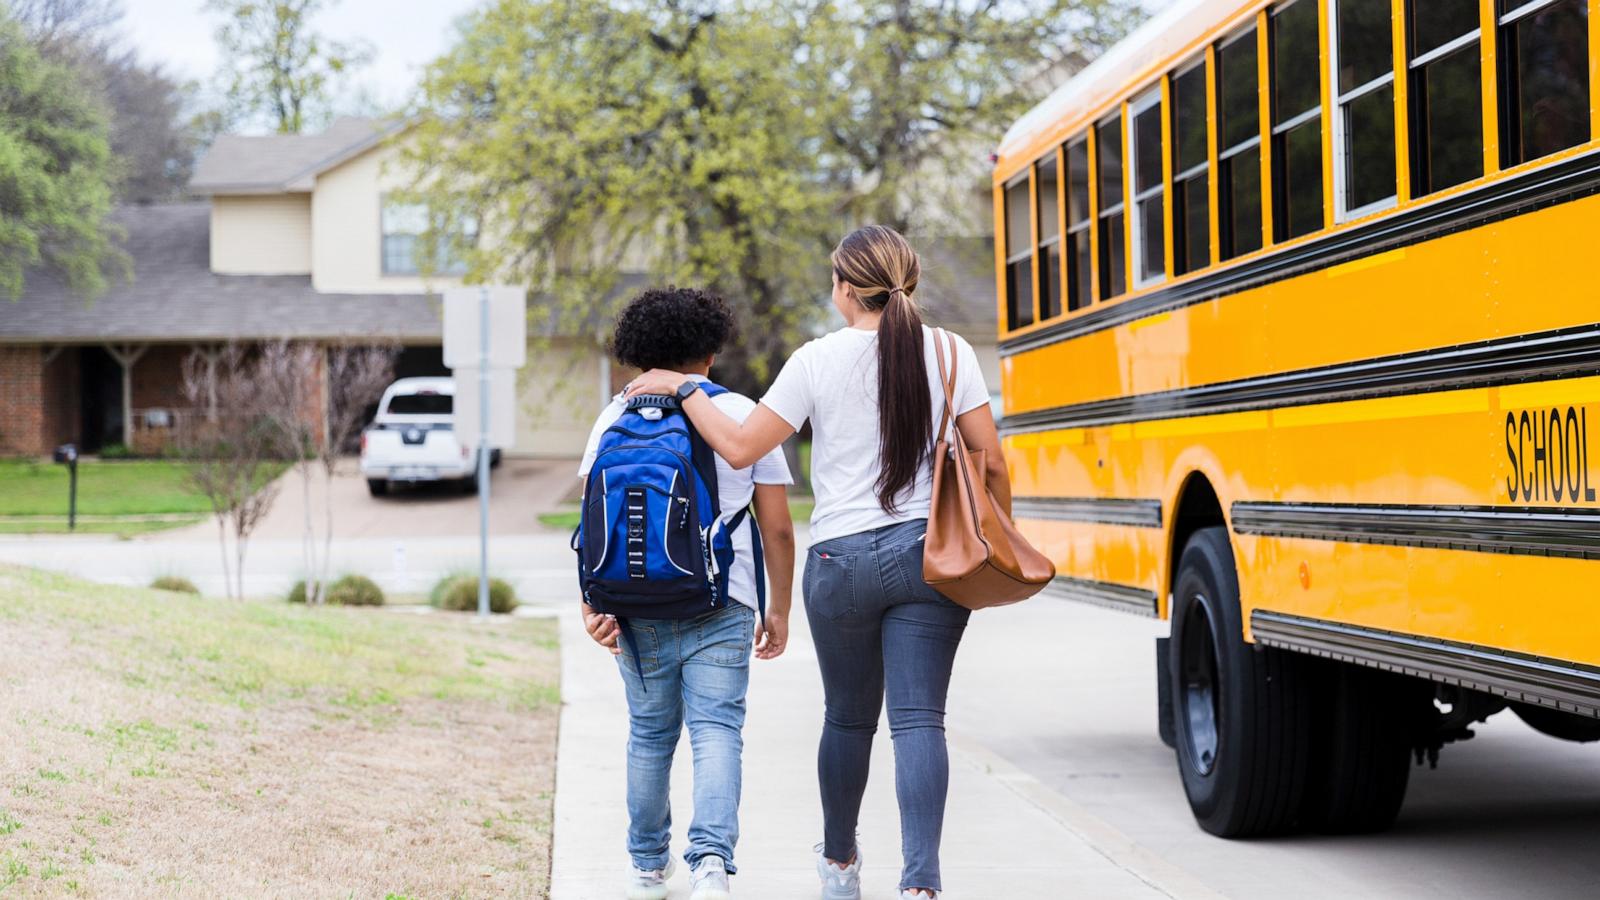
point(883, 269)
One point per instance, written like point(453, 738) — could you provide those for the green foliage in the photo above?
point(277, 67)
point(728, 144)
point(175, 583)
point(55, 173)
point(297, 592)
point(355, 590)
point(459, 591)
point(116, 451)
point(123, 488)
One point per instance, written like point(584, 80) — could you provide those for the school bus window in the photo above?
point(1045, 187)
point(1149, 252)
point(1363, 124)
point(1544, 77)
point(1108, 150)
point(1191, 216)
point(1296, 121)
point(1446, 94)
point(1078, 220)
point(1239, 146)
point(1019, 256)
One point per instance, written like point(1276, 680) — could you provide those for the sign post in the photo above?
point(485, 340)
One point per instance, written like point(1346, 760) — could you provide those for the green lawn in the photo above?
point(157, 740)
point(122, 526)
point(32, 488)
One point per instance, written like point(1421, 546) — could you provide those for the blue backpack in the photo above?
point(652, 541)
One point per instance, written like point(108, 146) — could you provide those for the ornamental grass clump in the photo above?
point(459, 591)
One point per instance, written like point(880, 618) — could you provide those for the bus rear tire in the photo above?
point(1241, 713)
point(1367, 723)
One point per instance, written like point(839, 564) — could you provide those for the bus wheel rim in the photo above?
point(1198, 688)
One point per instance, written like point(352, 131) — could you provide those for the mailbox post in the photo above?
point(67, 454)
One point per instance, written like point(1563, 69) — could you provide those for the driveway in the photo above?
point(520, 489)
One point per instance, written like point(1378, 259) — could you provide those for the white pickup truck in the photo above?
point(412, 439)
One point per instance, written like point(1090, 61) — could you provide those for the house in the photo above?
point(297, 237)
point(294, 238)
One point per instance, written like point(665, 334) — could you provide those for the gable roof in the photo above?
point(285, 163)
point(174, 296)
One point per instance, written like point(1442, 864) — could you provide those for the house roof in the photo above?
point(285, 163)
point(174, 296)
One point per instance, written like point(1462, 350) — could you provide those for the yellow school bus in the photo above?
point(1299, 346)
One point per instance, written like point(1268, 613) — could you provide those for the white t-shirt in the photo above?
point(735, 487)
point(833, 381)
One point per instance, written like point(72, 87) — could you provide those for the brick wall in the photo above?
point(157, 384)
point(22, 400)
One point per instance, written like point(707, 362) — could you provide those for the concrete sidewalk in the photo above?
point(1006, 835)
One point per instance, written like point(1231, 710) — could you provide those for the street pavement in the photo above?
point(1060, 786)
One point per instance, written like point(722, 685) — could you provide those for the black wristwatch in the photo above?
point(687, 389)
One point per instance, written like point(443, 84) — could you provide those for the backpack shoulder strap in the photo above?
point(712, 389)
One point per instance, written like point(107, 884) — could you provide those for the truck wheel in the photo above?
point(1242, 713)
point(1366, 725)
point(377, 487)
point(1564, 725)
point(469, 484)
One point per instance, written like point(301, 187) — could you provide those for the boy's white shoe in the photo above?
point(917, 895)
point(709, 880)
point(650, 884)
point(839, 882)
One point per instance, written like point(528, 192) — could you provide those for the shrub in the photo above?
point(355, 590)
point(297, 592)
point(174, 583)
point(459, 591)
point(116, 451)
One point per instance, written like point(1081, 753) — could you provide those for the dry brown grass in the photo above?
point(154, 744)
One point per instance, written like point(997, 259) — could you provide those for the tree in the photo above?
point(729, 143)
point(55, 173)
point(154, 134)
point(276, 66)
point(231, 443)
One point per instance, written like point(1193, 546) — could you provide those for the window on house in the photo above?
point(1047, 187)
point(1191, 205)
point(1363, 125)
point(1544, 77)
point(414, 241)
point(1446, 94)
point(1108, 158)
point(1149, 251)
point(1019, 256)
point(1296, 121)
point(1239, 146)
point(1078, 221)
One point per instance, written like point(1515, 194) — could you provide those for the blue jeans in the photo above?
point(695, 672)
point(878, 627)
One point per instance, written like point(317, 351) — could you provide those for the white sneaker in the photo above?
point(650, 884)
point(709, 880)
point(917, 894)
point(839, 882)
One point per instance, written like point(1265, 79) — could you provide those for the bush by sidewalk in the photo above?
point(174, 583)
point(355, 590)
point(459, 591)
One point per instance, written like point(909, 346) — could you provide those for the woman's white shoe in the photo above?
point(839, 882)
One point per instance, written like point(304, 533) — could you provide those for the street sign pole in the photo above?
point(483, 452)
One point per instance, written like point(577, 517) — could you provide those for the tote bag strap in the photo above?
point(940, 336)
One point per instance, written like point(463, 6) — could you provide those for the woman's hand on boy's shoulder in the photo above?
point(656, 381)
point(772, 636)
point(602, 628)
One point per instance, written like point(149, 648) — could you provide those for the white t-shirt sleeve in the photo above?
point(608, 417)
point(971, 392)
point(791, 393)
point(773, 468)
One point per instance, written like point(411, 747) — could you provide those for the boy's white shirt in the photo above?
point(735, 487)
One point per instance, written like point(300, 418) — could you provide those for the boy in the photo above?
point(695, 671)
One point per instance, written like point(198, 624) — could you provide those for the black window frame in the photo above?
point(1420, 62)
point(1508, 18)
point(1286, 126)
point(1110, 218)
point(1079, 263)
point(1247, 151)
point(1187, 258)
point(1019, 316)
point(1050, 303)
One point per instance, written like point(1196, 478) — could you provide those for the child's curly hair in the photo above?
point(666, 328)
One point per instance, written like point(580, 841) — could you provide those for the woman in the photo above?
point(872, 393)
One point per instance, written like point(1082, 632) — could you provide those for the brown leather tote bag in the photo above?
point(972, 554)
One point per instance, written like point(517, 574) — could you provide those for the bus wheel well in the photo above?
point(1197, 508)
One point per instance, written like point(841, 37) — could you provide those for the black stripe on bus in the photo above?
point(1568, 180)
point(1522, 530)
point(1101, 510)
point(1559, 684)
point(1120, 597)
point(1564, 353)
